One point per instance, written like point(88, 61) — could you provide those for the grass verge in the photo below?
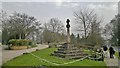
point(117, 54)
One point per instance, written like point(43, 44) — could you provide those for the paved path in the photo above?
point(10, 54)
point(0, 55)
point(112, 62)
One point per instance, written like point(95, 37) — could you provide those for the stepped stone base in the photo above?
point(69, 51)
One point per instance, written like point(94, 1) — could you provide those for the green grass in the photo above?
point(29, 60)
point(117, 54)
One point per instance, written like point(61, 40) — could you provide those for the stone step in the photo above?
point(65, 52)
point(75, 57)
point(70, 54)
point(70, 51)
point(69, 47)
point(71, 57)
point(75, 48)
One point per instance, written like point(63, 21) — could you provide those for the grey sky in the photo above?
point(59, 0)
point(43, 11)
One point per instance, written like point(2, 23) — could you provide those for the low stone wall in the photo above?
point(18, 47)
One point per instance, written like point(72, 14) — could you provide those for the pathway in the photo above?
point(0, 55)
point(10, 54)
point(112, 62)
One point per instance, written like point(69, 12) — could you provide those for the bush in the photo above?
point(24, 42)
point(20, 42)
point(30, 43)
point(12, 41)
point(53, 45)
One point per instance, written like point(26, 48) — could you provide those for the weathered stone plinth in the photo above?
point(69, 51)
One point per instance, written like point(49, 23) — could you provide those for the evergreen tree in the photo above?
point(78, 38)
point(72, 38)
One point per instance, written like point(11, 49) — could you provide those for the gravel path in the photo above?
point(10, 54)
point(114, 62)
point(0, 55)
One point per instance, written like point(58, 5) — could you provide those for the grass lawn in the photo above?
point(29, 60)
point(117, 54)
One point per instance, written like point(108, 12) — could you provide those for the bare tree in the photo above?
point(20, 26)
point(53, 30)
point(23, 24)
point(5, 26)
point(89, 24)
point(84, 17)
point(111, 31)
point(55, 25)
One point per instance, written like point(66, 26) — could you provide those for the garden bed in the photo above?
point(19, 44)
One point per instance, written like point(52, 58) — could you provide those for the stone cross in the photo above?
point(68, 30)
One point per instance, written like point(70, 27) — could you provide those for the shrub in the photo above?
point(30, 42)
point(12, 41)
point(20, 42)
point(53, 45)
point(24, 42)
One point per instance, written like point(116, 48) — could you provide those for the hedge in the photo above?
point(20, 42)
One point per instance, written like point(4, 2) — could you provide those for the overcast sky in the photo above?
point(61, 9)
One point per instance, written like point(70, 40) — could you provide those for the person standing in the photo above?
point(112, 52)
point(105, 51)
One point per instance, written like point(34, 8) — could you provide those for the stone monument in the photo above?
point(69, 50)
point(68, 30)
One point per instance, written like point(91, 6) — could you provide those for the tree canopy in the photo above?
point(19, 26)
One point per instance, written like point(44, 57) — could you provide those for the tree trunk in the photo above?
point(85, 31)
point(20, 36)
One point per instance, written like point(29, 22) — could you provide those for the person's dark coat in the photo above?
point(112, 52)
